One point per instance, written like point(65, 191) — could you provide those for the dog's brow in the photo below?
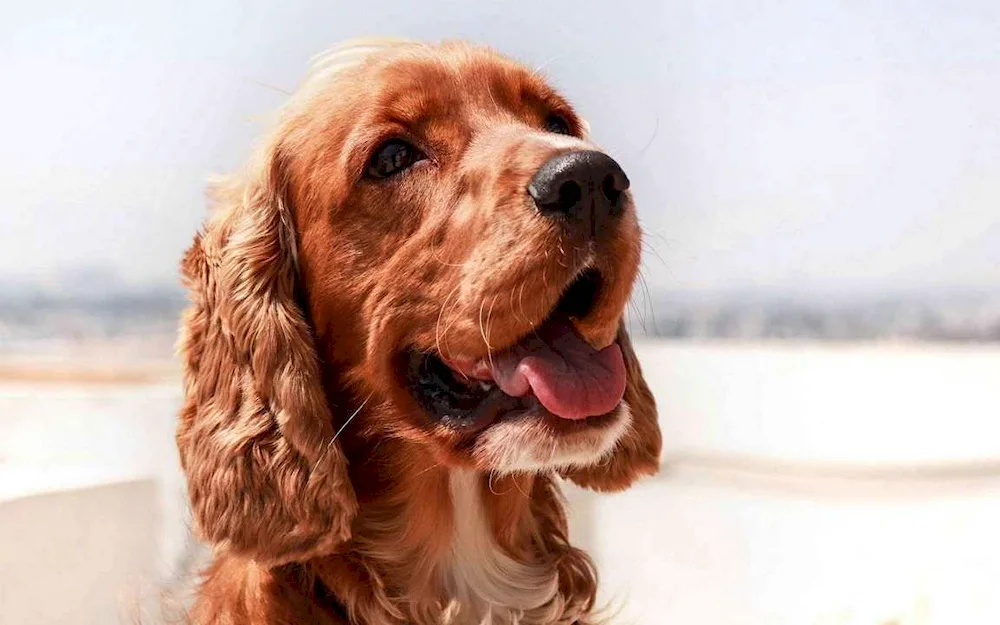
point(413, 110)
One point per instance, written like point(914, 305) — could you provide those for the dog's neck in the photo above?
point(484, 581)
point(454, 547)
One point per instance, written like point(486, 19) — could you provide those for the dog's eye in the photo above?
point(557, 124)
point(393, 157)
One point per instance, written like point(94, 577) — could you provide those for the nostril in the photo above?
point(562, 199)
point(610, 189)
point(570, 194)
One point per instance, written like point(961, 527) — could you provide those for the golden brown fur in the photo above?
point(326, 494)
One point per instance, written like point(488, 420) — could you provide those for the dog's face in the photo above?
point(467, 254)
point(427, 249)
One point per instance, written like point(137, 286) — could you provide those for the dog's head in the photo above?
point(429, 247)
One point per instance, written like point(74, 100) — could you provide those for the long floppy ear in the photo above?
point(265, 476)
point(638, 451)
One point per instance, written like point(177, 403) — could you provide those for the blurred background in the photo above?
point(819, 315)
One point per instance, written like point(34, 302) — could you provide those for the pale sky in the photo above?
point(784, 145)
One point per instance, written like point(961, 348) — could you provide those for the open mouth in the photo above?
point(551, 370)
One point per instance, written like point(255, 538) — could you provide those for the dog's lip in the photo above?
point(587, 278)
point(495, 406)
point(469, 367)
point(558, 366)
point(462, 391)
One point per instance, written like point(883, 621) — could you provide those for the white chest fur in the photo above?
point(487, 586)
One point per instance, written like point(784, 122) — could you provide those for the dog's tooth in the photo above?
point(481, 369)
point(486, 386)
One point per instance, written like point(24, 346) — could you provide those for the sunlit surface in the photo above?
point(802, 484)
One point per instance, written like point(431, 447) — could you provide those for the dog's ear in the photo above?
point(638, 451)
point(265, 476)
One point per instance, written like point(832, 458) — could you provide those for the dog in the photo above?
point(405, 329)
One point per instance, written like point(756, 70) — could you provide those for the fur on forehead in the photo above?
point(327, 66)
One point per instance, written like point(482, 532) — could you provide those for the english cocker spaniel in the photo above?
point(405, 327)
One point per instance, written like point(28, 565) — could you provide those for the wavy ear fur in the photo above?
point(265, 476)
point(638, 451)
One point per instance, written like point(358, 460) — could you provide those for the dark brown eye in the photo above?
point(557, 124)
point(393, 157)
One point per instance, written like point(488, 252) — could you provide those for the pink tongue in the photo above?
point(569, 377)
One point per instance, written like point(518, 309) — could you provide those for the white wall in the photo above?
point(83, 556)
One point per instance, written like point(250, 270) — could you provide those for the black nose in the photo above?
point(586, 186)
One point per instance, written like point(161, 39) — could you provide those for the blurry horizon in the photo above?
point(88, 280)
point(94, 307)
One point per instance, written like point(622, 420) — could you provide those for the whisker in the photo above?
point(437, 327)
point(631, 311)
point(538, 70)
point(531, 324)
point(520, 303)
point(647, 246)
point(271, 87)
point(484, 333)
point(326, 448)
point(656, 130)
point(350, 418)
point(450, 325)
point(489, 318)
point(489, 483)
point(510, 301)
point(649, 300)
point(514, 479)
point(428, 469)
